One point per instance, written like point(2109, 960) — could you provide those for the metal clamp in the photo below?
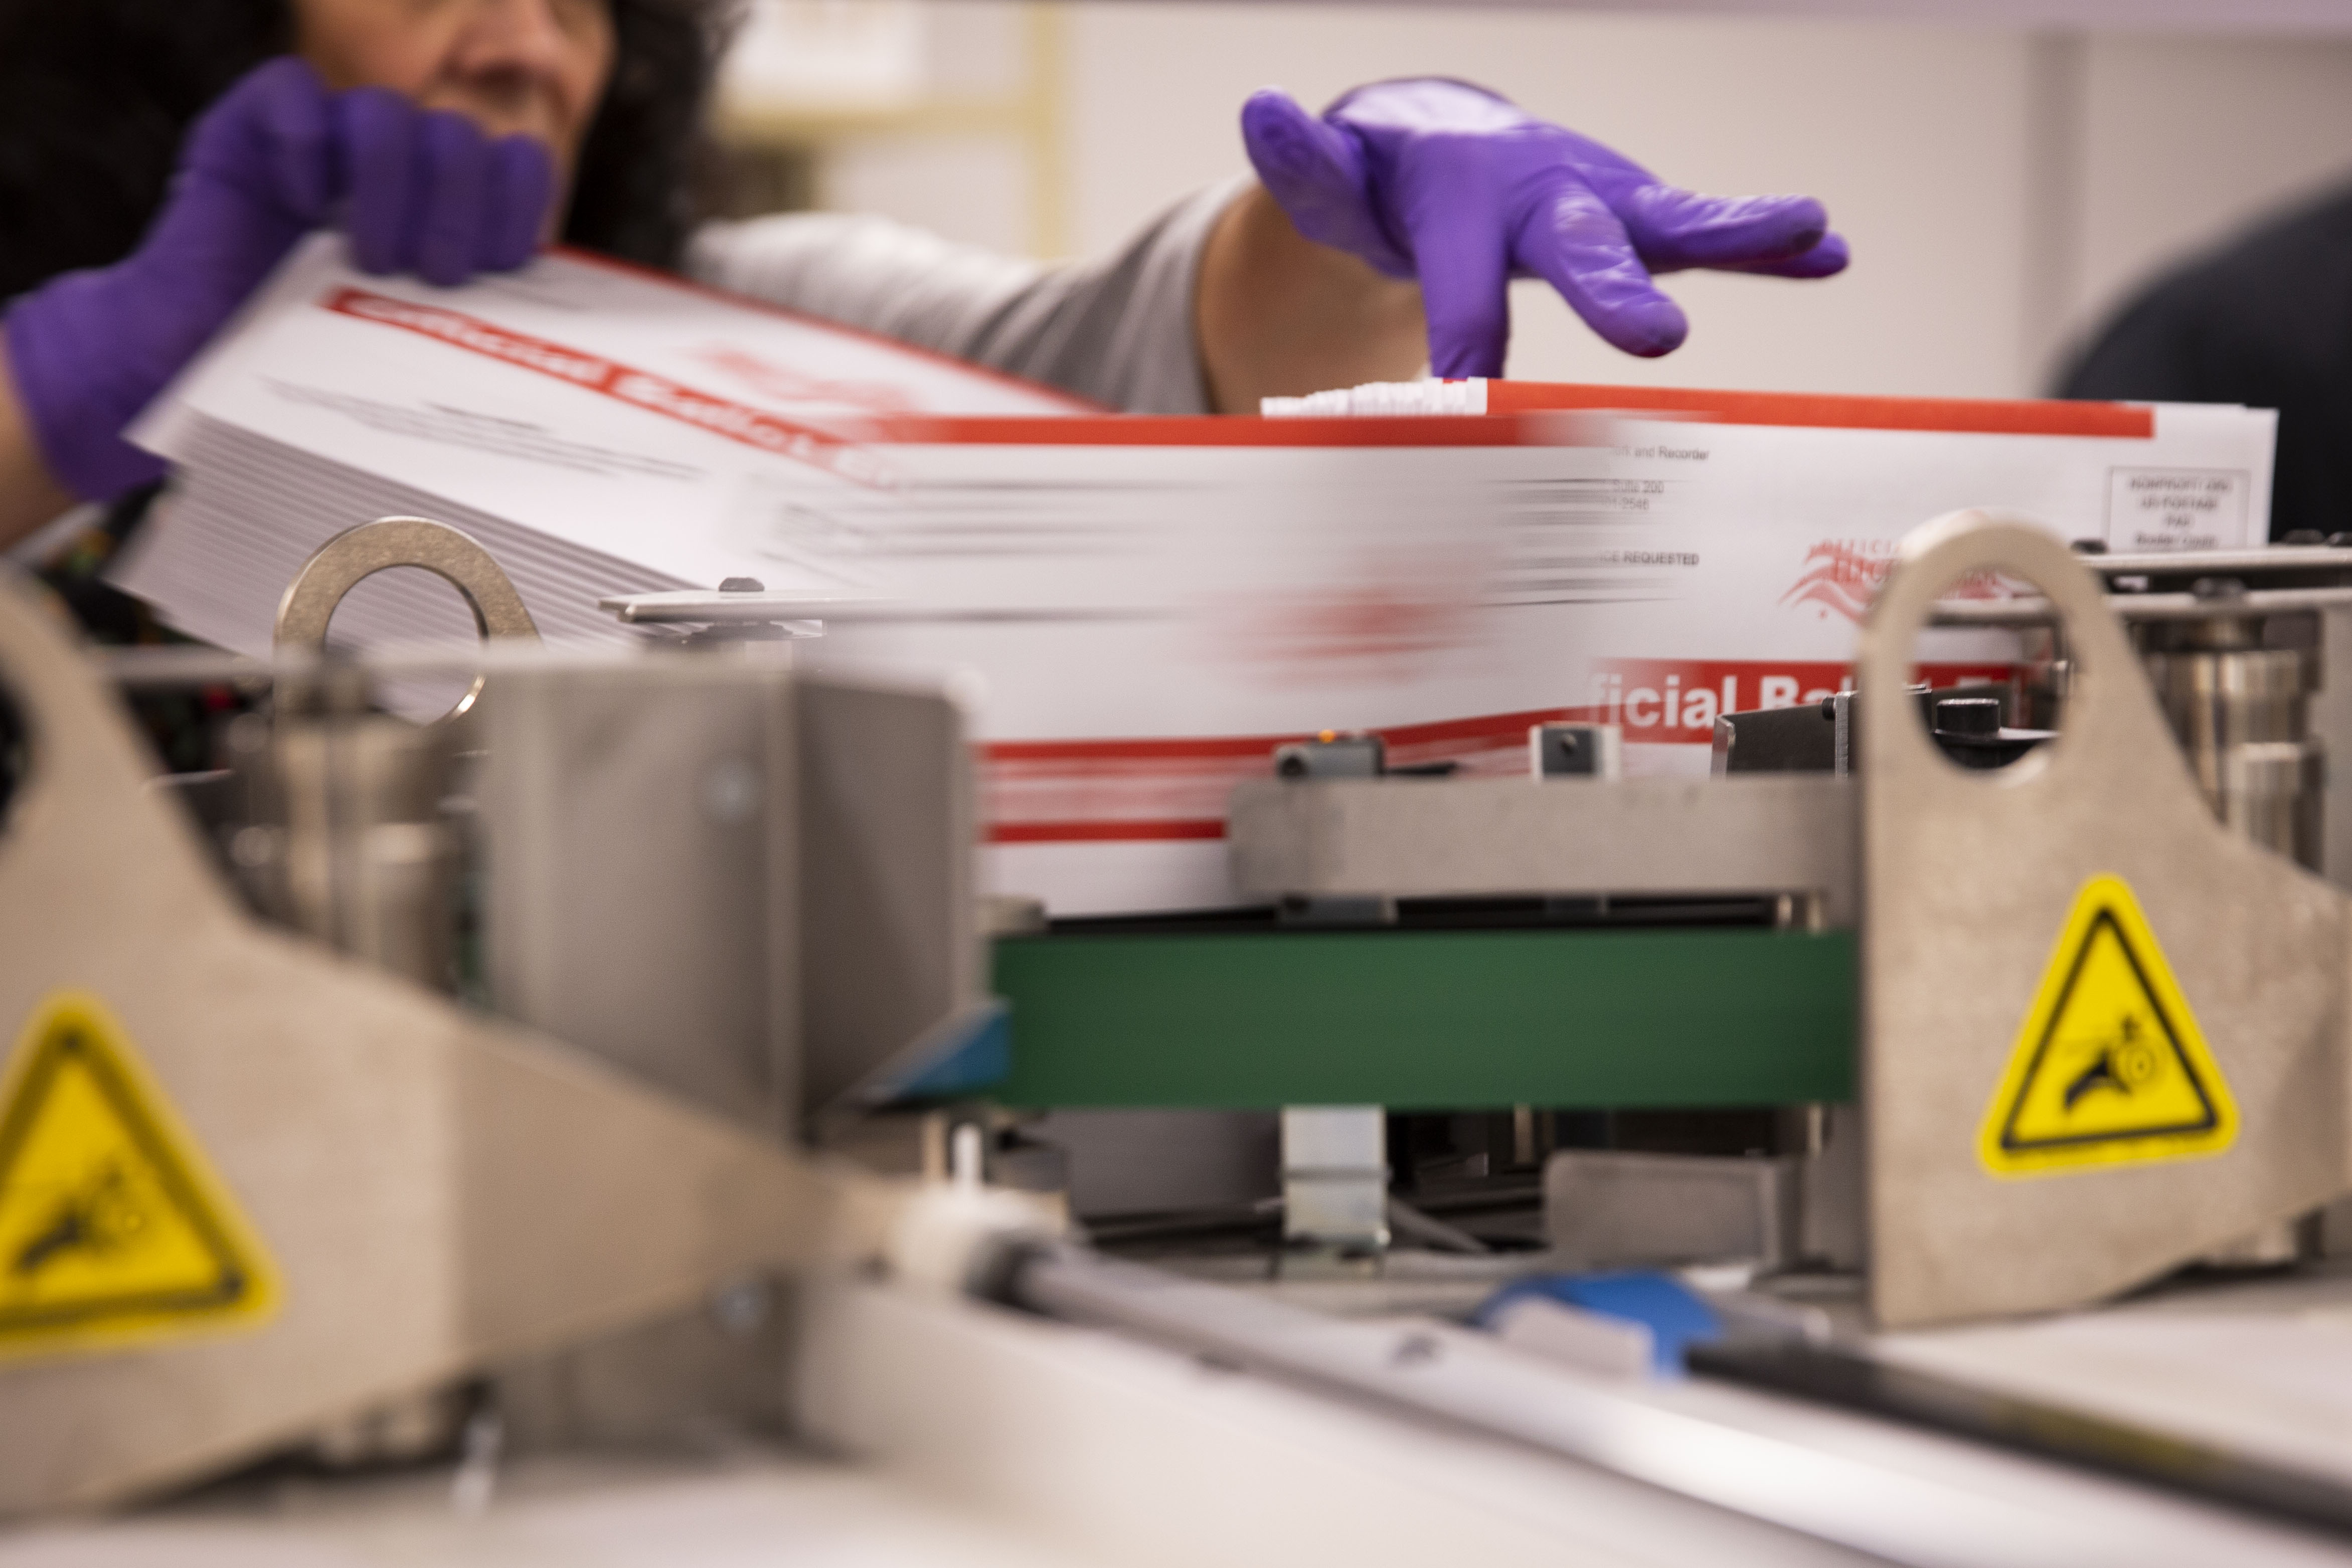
point(743, 611)
point(344, 561)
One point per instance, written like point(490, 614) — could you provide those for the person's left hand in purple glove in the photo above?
point(280, 155)
point(438, 136)
point(1456, 187)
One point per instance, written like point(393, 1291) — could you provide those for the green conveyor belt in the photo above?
point(1430, 1020)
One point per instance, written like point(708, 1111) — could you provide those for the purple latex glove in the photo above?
point(420, 190)
point(1449, 183)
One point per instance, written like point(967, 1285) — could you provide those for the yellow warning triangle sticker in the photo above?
point(113, 1229)
point(2110, 1067)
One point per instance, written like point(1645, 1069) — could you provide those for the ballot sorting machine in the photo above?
point(395, 1068)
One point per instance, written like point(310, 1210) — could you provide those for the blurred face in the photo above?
point(536, 67)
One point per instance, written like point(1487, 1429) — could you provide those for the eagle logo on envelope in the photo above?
point(1840, 577)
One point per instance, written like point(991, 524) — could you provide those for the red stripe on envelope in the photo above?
point(1137, 832)
point(1977, 416)
point(1508, 422)
point(639, 389)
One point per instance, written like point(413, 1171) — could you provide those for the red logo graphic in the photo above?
point(1842, 576)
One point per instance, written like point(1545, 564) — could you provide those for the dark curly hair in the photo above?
point(95, 96)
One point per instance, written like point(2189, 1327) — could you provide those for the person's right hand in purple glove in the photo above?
point(1459, 188)
point(419, 191)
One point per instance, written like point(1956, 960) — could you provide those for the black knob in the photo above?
point(1967, 716)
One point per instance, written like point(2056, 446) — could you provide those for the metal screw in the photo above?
point(253, 847)
point(248, 735)
point(731, 790)
point(743, 1308)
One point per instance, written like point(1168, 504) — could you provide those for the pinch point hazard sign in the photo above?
point(113, 1227)
point(2110, 1067)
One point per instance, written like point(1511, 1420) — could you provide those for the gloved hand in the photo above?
point(276, 157)
point(1449, 183)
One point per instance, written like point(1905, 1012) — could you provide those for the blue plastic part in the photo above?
point(1674, 1314)
point(979, 1057)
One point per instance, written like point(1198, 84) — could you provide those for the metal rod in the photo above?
point(161, 668)
point(1835, 1375)
point(1879, 1510)
point(2142, 606)
point(2217, 562)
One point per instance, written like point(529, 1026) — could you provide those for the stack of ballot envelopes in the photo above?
point(1135, 610)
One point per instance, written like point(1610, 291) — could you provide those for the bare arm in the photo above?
point(1280, 316)
point(29, 495)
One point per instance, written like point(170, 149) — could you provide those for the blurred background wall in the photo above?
point(2003, 188)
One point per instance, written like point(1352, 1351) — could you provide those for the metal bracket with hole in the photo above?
point(356, 554)
point(1969, 879)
